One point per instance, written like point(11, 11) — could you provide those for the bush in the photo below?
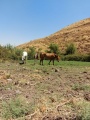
point(53, 48)
point(16, 54)
point(75, 57)
point(70, 49)
point(31, 52)
point(9, 52)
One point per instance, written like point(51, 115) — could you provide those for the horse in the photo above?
point(24, 57)
point(50, 56)
point(36, 57)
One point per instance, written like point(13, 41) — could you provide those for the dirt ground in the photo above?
point(55, 92)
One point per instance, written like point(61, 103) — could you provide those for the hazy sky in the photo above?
point(25, 20)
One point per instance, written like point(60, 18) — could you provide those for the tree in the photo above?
point(53, 48)
point(31, 52)
point(70, 49)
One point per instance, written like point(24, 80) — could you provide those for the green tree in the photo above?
point(70, 49)
point(9, 52)
point(3, 52)
point(16, 54)
point(31, 52)
point(53, 48)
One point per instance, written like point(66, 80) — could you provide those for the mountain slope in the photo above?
point(77, 33)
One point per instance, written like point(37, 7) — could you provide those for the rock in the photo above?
point(49, 117)
point(87, 96)
point(18, 92)
point(9, 80)
point(85, 72)
point(58, 118)
point(56, 70)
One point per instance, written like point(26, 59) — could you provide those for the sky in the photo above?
point(24, 20)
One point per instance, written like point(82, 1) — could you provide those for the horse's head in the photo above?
point(57, 57)
point(36, 56)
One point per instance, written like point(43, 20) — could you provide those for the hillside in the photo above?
point(77, 33)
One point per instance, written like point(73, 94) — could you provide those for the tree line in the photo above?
point(10, 52)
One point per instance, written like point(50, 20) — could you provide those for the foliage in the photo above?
point(81, 87)
point(31, 52)
point(70, 49)
point(84, 112)
point(53, 48)
point(9, 47)
point(76, 57)
point(15, 108)
point(16, 54)
point(9, 52)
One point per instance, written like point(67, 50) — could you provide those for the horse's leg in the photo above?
point(49, 62)
point(40, 61)
point(25, 59)
point(53, 62)
point(34, 61)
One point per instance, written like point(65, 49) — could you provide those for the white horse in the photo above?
point(24, 56)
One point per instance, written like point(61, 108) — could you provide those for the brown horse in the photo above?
point(50, 56)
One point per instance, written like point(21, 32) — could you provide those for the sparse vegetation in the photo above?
point(83, 108)
point(15, 108)
point(81, 87)
point(38, 92)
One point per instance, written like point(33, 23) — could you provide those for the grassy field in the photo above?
point(62, 63)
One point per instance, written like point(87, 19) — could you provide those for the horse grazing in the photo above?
point(49, 56)
point(24, 57)
point(36, 57)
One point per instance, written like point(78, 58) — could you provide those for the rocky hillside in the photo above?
point(77, 33)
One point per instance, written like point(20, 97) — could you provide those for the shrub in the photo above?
point(31, 52)
point(53, 48)
point(9, 52)
point(70, 49)
point(75, 57)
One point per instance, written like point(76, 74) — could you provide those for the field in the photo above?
point(48, 92)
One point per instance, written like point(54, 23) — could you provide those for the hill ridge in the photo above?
point(77, 33)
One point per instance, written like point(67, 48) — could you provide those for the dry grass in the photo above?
point(51, 94)
point(77, 33)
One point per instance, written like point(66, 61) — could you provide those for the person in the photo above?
point(24, 56)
